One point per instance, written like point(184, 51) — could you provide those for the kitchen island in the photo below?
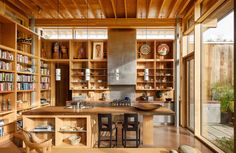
point(86, 122)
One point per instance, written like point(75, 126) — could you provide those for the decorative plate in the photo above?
point(146, 106)
point(163, 49)
point(145, 49)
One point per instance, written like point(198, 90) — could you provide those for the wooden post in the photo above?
point(148, 129)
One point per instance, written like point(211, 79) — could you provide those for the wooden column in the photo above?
point(148, 129)
point(197, 68)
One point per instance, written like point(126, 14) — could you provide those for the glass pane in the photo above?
point(190, 41)
point(190, 100)
point(155, 34)
point(57, 33)
point(91, 34)
point(217, 83)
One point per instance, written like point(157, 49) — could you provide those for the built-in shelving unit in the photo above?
point(7, 78)
point(19, 74)
point(88, 75)
point(155, 72)
point(27, 70)
point(61, 129)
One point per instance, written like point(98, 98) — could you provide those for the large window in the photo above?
point(217, 92)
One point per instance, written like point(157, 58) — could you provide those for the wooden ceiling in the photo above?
point(97, 9)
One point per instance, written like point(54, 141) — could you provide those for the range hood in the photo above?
point(122, 57)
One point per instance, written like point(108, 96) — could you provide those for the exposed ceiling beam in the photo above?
point(148, 8)
point(22, 7)
point(141, 9)
point(63, 5)
point(69, 10)
point(84, 14)
point(100, 3)
point(90, 8)
point(174, 9)
point(125, 5)
point(184, 7)
point(109, 22)
point(54, 7)
point(164, 8)
point(44, 7)
point(114, 8)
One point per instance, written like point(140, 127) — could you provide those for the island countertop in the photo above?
point(60, 110)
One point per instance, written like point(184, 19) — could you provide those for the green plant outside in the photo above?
point(225, 144)
point(224, 92)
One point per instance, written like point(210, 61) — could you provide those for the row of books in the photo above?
point(5, 65)
point(44, 85)
point(22, 59)
point(25, 78)
point(6, 55)
point(6, 86)
point(44, 71)
point(43, 64)
point(22, 68)
point(25, 86)
point(44, 79)
point(6, 77)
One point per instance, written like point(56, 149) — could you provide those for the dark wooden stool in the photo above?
point(130, 123)
point(105, 124)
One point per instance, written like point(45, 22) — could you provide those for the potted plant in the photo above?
point(224, 93)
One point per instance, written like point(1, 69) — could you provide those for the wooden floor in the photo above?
point(165, 137)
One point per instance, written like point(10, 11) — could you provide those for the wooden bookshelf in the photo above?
point(45, 83)
point(155, 73)
point(19, 60)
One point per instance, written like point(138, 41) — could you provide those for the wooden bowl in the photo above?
point(146, 106)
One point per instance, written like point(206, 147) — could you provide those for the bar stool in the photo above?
point(130, 124)
point(105, 125)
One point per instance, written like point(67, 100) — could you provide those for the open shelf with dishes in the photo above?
point(88, 69)
point(66, 131)
point(155, 70)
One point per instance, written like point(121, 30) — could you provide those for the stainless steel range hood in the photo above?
point(122, 57)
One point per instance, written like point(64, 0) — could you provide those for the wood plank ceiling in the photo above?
point(97, 9)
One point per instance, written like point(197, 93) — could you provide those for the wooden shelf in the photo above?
point(9, 71)
point(59, 60)
point(90, 89)
point(29, 64)
point(8, 60)
point(67, 145)
point(145, 60)
point(42, 131)
point(146, 89)
point(27, 73)
point(7, 48)
point(28, 108)
point(164, 60)
point(26, 54)
point(24, 43)
point(100, 60)
point(45, 89)
point(78, 131)
point(6, 112)
point(80, 60)
point(43, 75)
point(46, 104)
point(6, 92)
point(25, 90)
